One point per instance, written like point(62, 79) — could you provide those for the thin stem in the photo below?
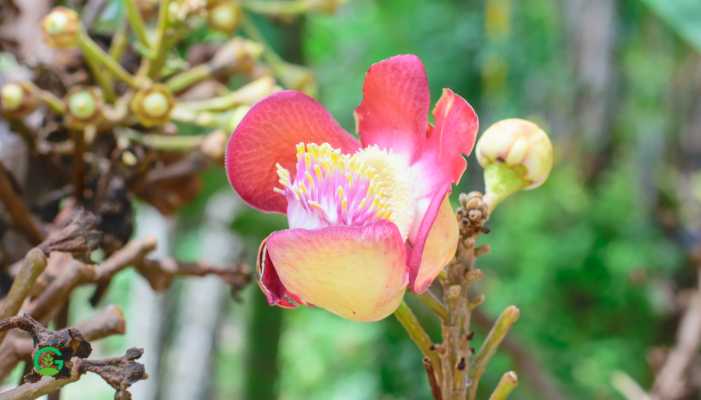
point(19, 213)
point(434, 304)
point(119, 42)
point(79, 162)
point(92, 51)
point(165, 142)
point(103, 80)
point(248, 94)
point(251, 30)
point(54, 103)
point(506, 385)
point(136, 22)
point(33, 264)
point(498, 332)
point(160, 46)
point(416, 332)
point(190, 77)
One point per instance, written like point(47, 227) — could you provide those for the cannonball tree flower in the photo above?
point(367, 218)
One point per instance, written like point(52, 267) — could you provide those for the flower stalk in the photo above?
point(136, 22)
point(506, 385)
point(96, 55)
point(496, 335)
point(416, 332)
point(160, 45)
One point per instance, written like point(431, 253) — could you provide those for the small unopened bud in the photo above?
point(237, 55)
point(12, 96)
point(152, 106)
point(17, 100)
point(84, 107)
point(224, 16)
point(516, 155)
point(61, 27)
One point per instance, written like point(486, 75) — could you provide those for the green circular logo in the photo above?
point(47, 361)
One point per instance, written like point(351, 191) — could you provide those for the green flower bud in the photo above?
point(224, 16)
point(17, 100)
point(152, 105)
point(516, 155)
point(12, 97)
point(84, 107)
point(61, 27)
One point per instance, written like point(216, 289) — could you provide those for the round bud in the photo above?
point(84, 107)
point(61, 27)
point(156, 104)
point(17, 99)
point(12, 96)
point(152, 105)
point(516, 155)
point(224, 16)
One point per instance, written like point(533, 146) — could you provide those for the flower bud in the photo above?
point(516, 155)
point(83, 107)
point(61, 28)
point(17, 100)
point(152, 106)
point(237, 55)
point(224, 16)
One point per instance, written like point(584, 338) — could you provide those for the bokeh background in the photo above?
point(600, 259)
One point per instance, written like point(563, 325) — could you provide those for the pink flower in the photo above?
point(369, 218)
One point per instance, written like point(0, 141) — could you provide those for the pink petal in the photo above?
point(269, 282)
point(268, 134)
point(440, 163)
point(453, 135)
point(355, 272)
point(439, 246)
point(394, 110)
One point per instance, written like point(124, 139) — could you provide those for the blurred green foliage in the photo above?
point(582, 258)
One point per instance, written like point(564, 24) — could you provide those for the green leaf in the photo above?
point(683, 16)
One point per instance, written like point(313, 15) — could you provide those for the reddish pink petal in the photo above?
point(394, 110)
point(420, 232)
point(269, 281)
point(453, 135)
point(355, 272)
point(439, 246)
point(268, 134)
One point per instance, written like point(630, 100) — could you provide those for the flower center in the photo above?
point(331, 188)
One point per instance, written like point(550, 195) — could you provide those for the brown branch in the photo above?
point(78, 236)
point(459, 275)
point(671, 382)
point(34, 264)
point(432, 381)
point(118, 372)
point(16, 348)
point(131, 254)
point(160, 273)
point(19, 213)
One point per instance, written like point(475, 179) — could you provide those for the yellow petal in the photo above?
point(356, 272)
